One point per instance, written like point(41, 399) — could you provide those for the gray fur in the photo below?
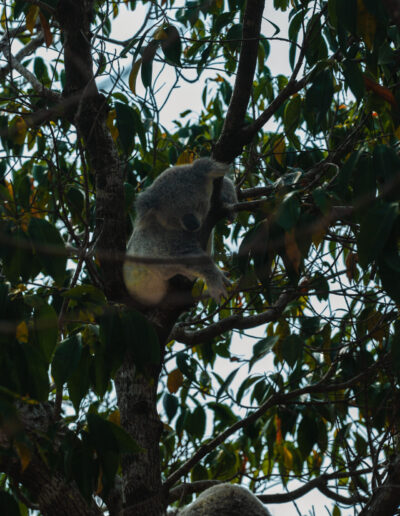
point(169, 215)
point(226, 500)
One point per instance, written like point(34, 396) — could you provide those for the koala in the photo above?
point(169, 215)
point(226, 500)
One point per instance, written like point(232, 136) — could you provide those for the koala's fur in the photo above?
point(169, 215)
point(226, 500)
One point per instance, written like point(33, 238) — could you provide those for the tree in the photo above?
point(107, 405)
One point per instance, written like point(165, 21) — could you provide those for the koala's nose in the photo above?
point(190, 222)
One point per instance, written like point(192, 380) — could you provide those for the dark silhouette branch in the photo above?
point(386, 498)
point(243, 84)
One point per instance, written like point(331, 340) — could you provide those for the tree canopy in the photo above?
point(109, 406)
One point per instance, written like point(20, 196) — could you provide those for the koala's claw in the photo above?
point(217, 289)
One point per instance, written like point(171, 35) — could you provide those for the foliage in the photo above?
point(313, 253)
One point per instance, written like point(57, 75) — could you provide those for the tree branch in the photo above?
point(54, 495)
point(274, 399)
point(192, 338)
point(386, 498)
point(25, 51)
point(243, 84)
point(393, 8)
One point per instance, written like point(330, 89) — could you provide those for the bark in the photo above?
point(46, 486)
point(230, 142)
point(137, 399)
point(88, 112)
point(393, 8)
point(386, 499)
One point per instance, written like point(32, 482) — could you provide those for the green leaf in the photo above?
point(387, 168)
point(354, 78)
point(227, 382)
point(291, 116)
point(346, 13)
point(76, 200)
point(18, 259)
point(79, 381)
point(109, 437)
point(45, 323)
point(318, 99)
point(40, 70)
point(126, 124)
point(289, 211)
point(37, 378)
point(234, 37)
point(375, 229)
point(142, 339)
point(126, 444)
point(364, 184)
point(49, 247)
point(261, 348)
point(8, 505)
point(146, 72)
point(196, 422)
point(395, 348)
point(170, 404)
point(172, 45)
point(80, 465)
point(66, 359)
point(307, 434)
point(292, 349)
point(222, 20)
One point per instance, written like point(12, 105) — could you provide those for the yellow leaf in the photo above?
point(292, 250)
point(279, 150)
point(4, 19)
point(17, 130)
point(115, 9)
point(48, 37)
point(397, 133)
point(133, 75)
point(186, 157)
point(115, 417)
point(375, 326)
point(160, 34)
point(287, 458)
point(318, 236)
point(31, 17)
point(110, 124)
point(22, 332)
point(351, 265)
point(366, 24)
point(24, 454)
point(175, 380)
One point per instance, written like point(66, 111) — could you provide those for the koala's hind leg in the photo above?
point(216, 280)
point(144, 283)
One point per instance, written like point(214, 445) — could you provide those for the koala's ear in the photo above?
point(210, 168)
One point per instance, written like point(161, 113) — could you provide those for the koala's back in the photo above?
point(151, 239)
point(226, 500)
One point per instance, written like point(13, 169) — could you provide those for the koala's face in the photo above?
point(185, 199)
point(187, 213)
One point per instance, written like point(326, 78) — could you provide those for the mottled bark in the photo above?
point(386, 499)
point(141, 472)
point(45, 485)
point(89, 114)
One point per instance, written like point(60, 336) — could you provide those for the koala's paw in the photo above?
point(218, 287)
